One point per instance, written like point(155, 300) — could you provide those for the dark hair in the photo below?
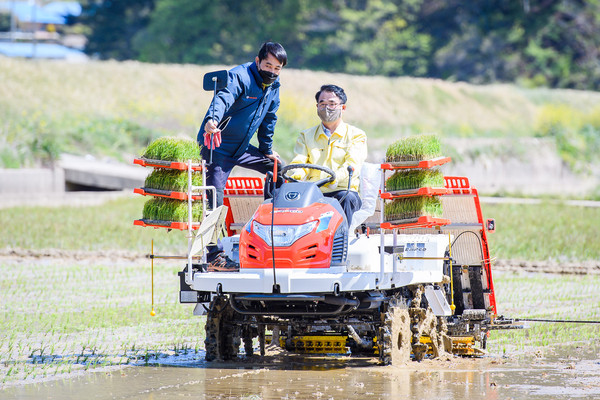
point(338, 91)
point(275, 49)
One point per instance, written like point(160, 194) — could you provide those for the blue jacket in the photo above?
point(250, 107)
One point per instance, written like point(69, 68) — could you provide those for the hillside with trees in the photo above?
point(549, 43)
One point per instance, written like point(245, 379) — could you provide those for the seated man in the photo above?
point(335, 145)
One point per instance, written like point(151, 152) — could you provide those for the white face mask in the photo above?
point(329, 114)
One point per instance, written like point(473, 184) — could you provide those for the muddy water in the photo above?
point(569, 373)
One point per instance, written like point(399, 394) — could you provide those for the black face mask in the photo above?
point(267, 77)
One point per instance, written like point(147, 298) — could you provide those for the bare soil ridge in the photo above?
point(28, 256)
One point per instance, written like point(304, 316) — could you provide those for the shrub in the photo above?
point(577, 134)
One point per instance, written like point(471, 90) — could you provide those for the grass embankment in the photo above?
point(116, 109)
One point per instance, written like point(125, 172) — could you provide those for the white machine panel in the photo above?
point(363, 270)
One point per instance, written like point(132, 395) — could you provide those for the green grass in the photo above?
point(38, 139)
point(545, 231)
point(170, 148)
point(412, 207)
point(414, 179)
point(414, 148)
point(173, 180)
point(527, 232)
point(106, 227)
point(545, 296)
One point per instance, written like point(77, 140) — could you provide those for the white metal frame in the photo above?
point(205, 212)
point(390, 273)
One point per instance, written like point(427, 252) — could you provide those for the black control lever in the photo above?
point(350, 172)
point(267, 190)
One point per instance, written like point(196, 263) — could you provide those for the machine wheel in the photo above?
point(248, 333)
point(212, 331)
point(231, 338)
point(394, 335)
point(425, 323)
point(262, 339)
point(384, 338)
point(222, 336)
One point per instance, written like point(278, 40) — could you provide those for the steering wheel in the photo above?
point(319, 183)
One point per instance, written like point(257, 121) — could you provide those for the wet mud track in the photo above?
point(568, 373)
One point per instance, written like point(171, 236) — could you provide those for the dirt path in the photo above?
point(590, 267)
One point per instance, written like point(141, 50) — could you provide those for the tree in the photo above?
point(535, 42)
point(226, 31)
point(376, 37)
point(113, 24)
point(565, 52)
point(538, 42)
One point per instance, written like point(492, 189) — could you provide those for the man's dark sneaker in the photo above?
point(222, 263)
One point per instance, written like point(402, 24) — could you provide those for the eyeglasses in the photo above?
point(331, 106)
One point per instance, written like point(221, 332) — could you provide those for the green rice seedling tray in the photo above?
point(165, 193)
point(424, 221)
point(164, 224)
point(182, 166)
point(424, 191)
point(171, 148)
point(422, 164)
point(414, 148)
point(413, 212)
point(166, 211)
point(173, 180)
point(407, 179)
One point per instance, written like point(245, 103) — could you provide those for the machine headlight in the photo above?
point(283, 235)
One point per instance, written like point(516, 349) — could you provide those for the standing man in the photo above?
point(333, 144)
point(250, 103)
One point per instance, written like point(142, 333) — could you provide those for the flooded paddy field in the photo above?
point(572, 372)
point(80, 327)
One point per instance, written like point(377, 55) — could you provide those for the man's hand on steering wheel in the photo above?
point(319, 183)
